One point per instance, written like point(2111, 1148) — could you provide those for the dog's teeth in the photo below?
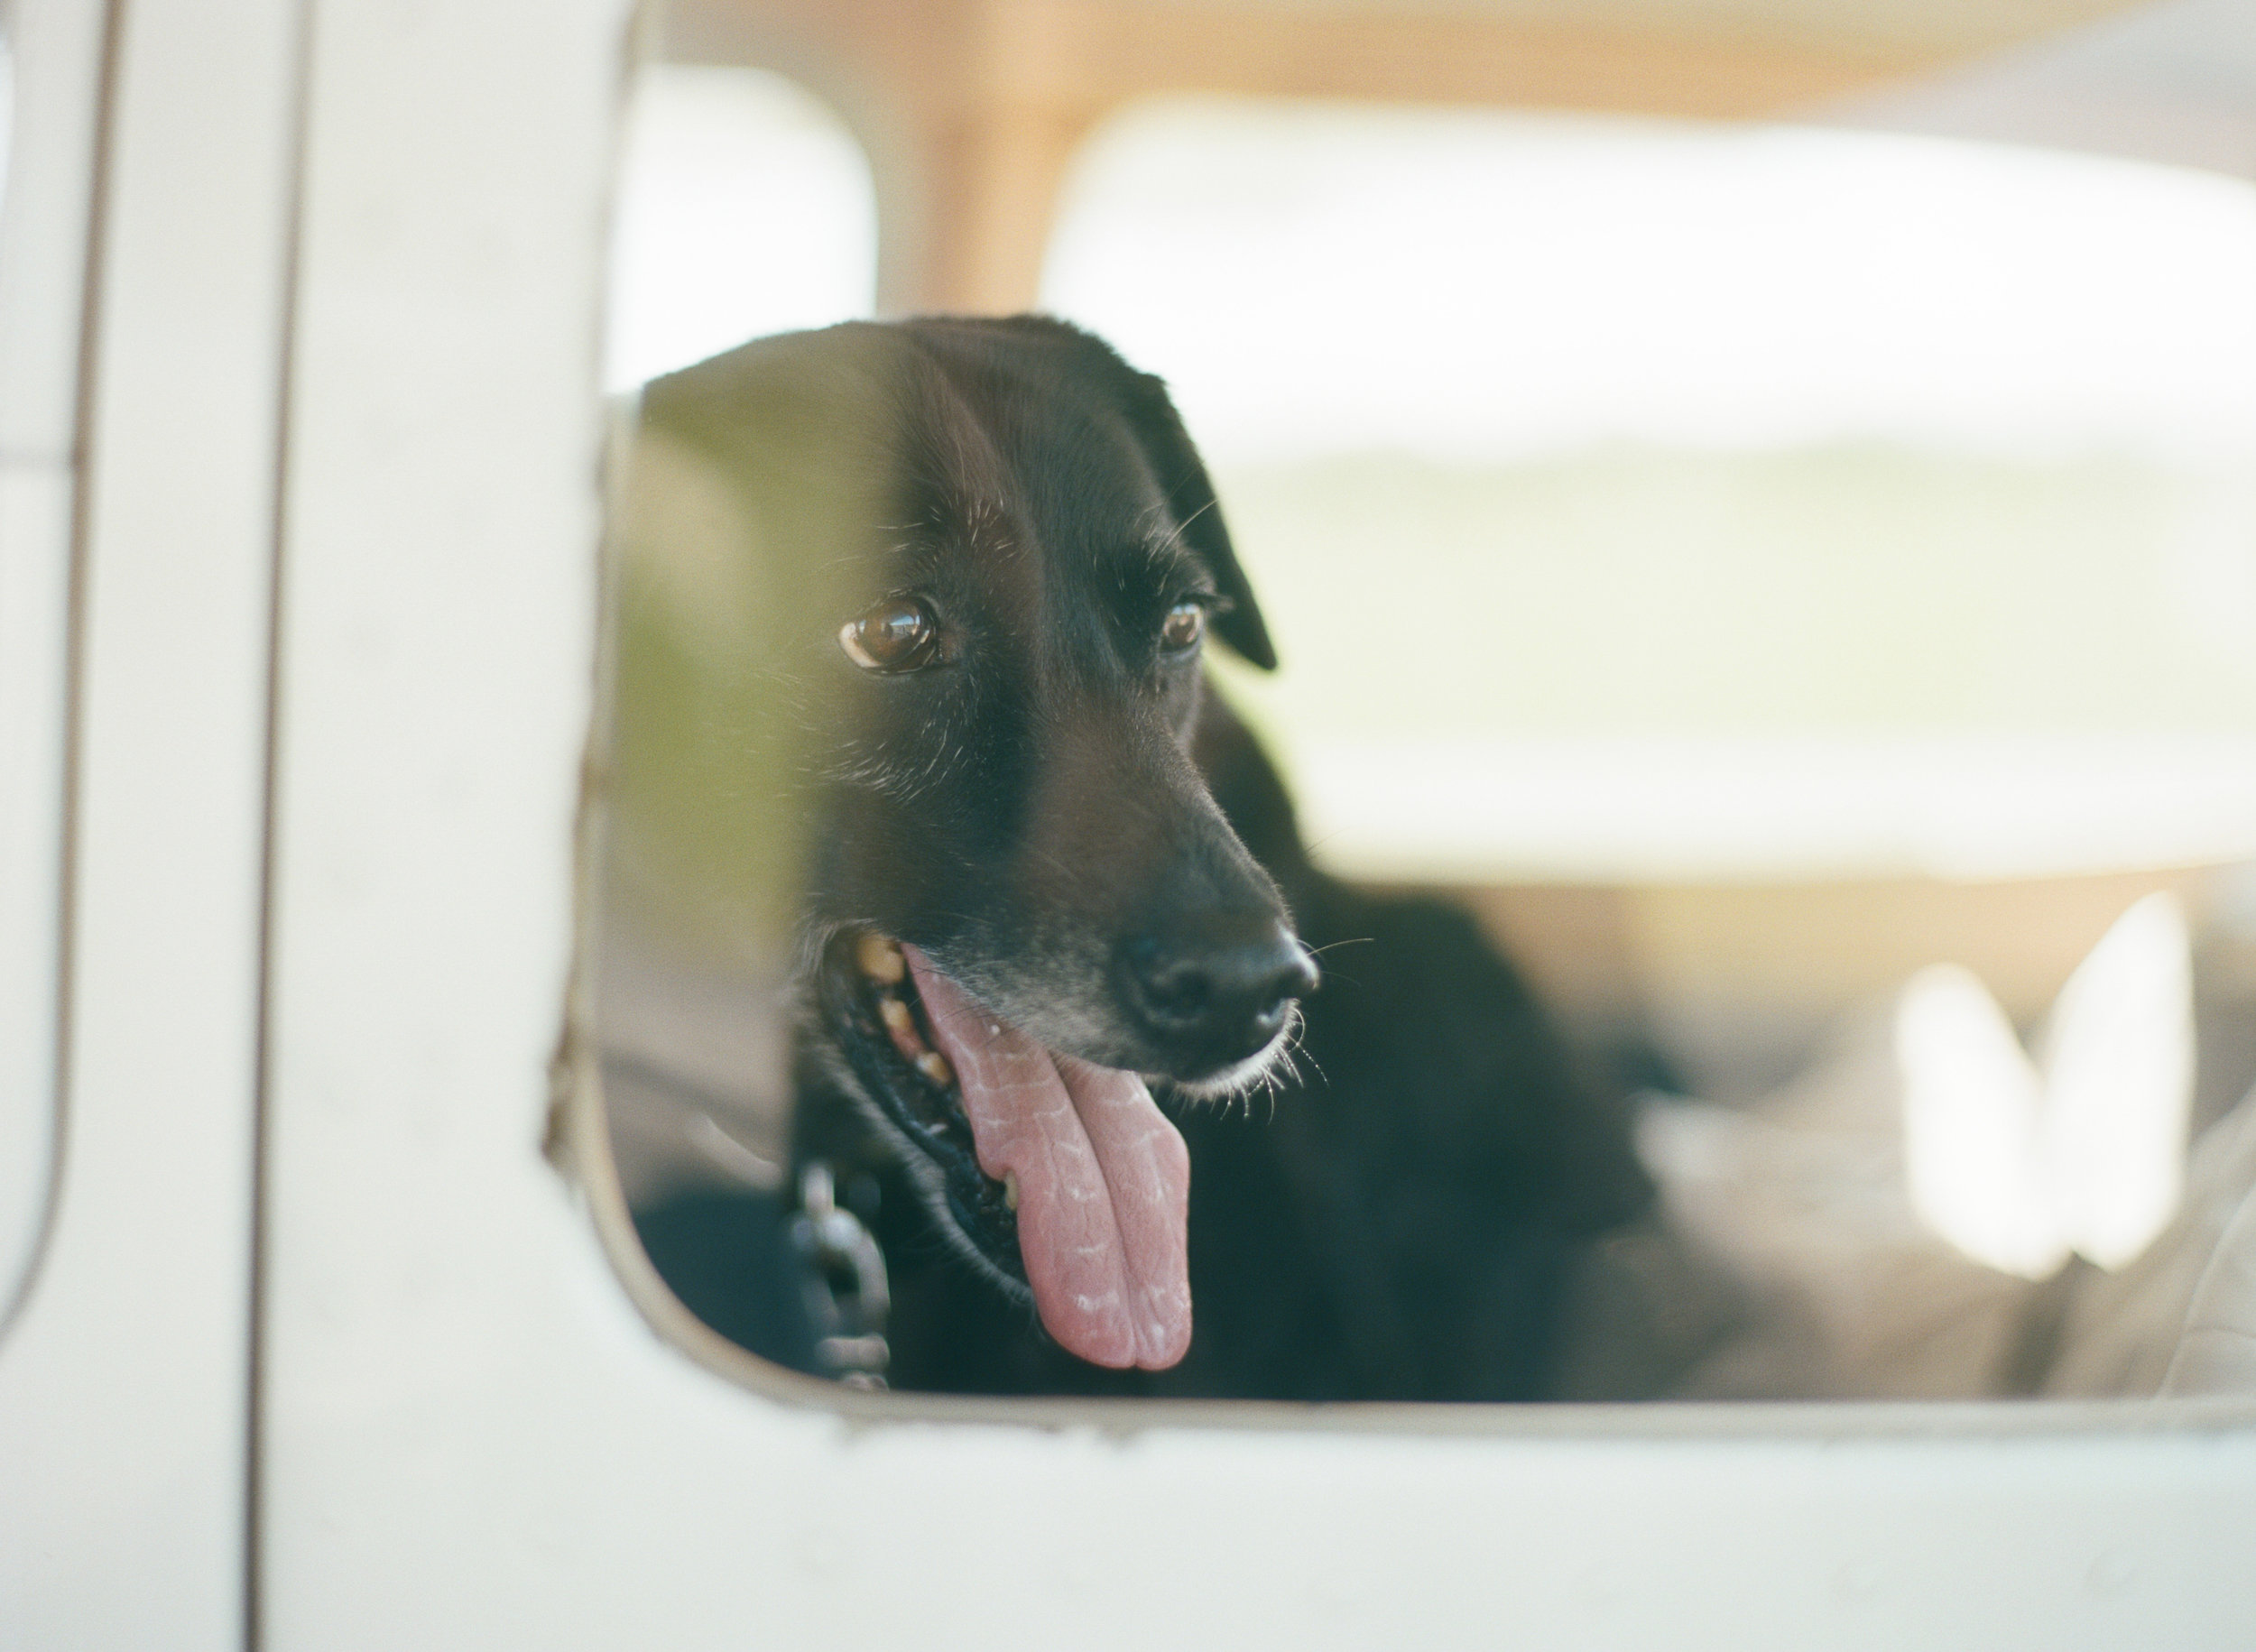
point(934, 1066)
point(880, 958)
point(1010, 1190)
point(898, 1021)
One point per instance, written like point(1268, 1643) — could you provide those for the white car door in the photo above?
point(144, 319)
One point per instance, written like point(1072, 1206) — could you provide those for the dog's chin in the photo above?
point(1255, 1072)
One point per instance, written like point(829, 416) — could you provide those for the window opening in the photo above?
point(1779, 588)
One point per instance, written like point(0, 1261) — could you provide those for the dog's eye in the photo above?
point(1185, 624)
point(899, 634)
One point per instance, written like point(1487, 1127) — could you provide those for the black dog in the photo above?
point(1021, 900)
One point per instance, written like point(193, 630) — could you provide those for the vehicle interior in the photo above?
point(1813, 526)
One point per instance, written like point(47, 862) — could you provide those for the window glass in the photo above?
point(746, 208)
point(1783, 589)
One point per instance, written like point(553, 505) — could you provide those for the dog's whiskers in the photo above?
point(1172, 540)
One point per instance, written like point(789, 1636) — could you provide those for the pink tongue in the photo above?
point(1104, 1181)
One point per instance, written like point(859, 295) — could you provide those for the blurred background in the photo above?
point(1758, 498)
point(1753, 556)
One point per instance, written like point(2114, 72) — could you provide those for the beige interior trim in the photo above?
point(972, 109)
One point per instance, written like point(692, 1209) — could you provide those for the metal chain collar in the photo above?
point(843, 1283)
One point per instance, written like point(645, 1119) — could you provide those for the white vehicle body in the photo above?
point(321, 1342)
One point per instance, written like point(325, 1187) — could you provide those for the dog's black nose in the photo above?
point(1214, 990)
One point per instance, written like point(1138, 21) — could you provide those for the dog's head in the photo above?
point(991, 560)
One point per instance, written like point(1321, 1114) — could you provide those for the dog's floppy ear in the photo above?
point(1143, 401)
point(1183, 475)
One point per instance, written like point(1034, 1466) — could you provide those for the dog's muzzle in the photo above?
point(1211, 992)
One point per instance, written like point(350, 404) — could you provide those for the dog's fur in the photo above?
point(1392, 1214)
point(1401, 1220)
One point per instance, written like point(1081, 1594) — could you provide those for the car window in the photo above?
point(1776, 591)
